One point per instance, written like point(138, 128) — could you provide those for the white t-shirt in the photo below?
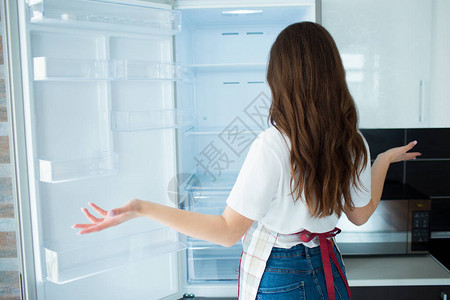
point(262, 192)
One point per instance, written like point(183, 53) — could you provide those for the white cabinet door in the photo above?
point(386, 50)
point(439, 105)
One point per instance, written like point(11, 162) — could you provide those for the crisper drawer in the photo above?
point(210, 262)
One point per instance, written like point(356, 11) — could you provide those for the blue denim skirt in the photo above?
point(297, 273)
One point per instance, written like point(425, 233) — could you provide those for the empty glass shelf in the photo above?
point(202, 182)
point(148, 120)
point(57, 69)
point(208, 202)
point(208, 196)
point(104, 15)
point(64, 265)
point(228, 67)
point(54, 171)
point(210, 262)
point(217, 131)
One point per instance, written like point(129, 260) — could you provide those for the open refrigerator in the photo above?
point(132, 99)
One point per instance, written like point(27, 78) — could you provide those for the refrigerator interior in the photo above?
point(116, 110)
point(225, 51)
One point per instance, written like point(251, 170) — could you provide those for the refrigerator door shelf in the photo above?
point(55, 69)
point(63, 266)
point(149, 120)
point(142, 70)
point(104, 164)
point(103, 16)
point(210, 262)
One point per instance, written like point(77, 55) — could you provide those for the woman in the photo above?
point(298, 178)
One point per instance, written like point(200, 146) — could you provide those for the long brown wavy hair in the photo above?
point(313, 107)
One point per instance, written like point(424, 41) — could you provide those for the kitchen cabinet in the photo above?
point(400, 292)
point(396, 277)
point(395, 56)
point(440, 65)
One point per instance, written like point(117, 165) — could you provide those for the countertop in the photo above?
point(417, 270)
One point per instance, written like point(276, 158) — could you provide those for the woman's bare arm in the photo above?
point(225, 229)
point(360, 215)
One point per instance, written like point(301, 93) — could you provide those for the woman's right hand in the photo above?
point(110, 218)
point(401, 153)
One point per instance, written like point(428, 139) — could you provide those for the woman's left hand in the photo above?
point(402, 153)
point(112, 218)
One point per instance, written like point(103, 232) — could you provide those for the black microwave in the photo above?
point(400, 225)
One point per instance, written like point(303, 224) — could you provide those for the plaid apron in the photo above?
point(258, 243)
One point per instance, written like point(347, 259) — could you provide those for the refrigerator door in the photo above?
point(100, 123)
